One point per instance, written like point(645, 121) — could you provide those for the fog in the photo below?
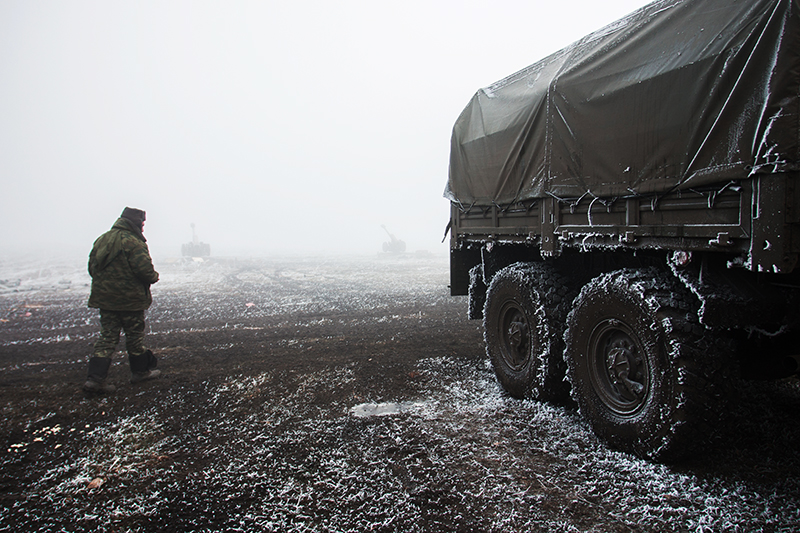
point(275, 127)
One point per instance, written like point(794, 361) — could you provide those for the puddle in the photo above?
point(365, 410)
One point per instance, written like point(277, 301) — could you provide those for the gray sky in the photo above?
point(276, 127)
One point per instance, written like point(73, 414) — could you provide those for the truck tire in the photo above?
point(633, 348)
point(524, 316)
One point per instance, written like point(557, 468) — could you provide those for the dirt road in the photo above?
point(335, 394)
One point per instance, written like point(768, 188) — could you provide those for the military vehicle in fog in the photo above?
point(394, 245)
point(195, 248)
point(625, 217)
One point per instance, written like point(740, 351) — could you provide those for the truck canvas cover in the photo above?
point(680, 94)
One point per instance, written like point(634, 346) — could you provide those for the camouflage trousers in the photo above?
point(111, 322)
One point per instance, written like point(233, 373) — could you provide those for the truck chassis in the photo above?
point(641, 307)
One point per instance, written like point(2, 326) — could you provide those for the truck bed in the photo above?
point(756, 222)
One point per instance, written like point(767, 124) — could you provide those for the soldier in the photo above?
point(122, 272)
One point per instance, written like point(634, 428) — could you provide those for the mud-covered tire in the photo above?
point(634, 352)
point(524, 316)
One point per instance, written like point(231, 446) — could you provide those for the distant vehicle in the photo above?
point(395, 245)
point(625, 217)
point(195, 248)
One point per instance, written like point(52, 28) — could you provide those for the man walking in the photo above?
point(122, 272)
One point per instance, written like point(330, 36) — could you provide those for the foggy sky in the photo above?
point(276, 127)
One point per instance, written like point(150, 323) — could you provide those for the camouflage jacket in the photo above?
point(121, 269)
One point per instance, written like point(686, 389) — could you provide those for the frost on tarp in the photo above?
point(679, 94)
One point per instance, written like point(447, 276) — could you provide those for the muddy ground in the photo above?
point(335, 394)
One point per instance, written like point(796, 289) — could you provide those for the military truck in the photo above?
point(625, 218)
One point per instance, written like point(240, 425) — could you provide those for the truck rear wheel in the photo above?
point(524, 315)
point(632, 341)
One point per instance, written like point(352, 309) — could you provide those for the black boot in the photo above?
point(98, 371)
point(143, 367)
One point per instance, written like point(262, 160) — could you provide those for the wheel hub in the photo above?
point(515, 335)
point(622, 362)
point(619, 370)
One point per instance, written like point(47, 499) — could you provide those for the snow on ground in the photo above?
point(519, 461)
point(459, 451)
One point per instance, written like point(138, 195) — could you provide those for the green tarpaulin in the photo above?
point(679, 94)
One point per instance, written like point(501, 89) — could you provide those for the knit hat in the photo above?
point(134, 215)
